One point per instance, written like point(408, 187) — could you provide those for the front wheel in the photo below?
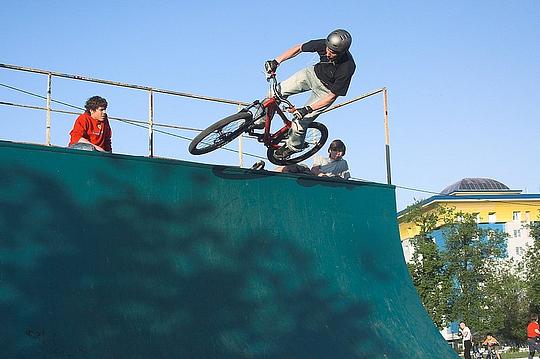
point(316, 136)
point(220, 133)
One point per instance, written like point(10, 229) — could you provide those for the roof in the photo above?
point(475, 185)
point(511, 197)
point(476, 190)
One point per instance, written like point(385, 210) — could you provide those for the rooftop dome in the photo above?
point(475, 185)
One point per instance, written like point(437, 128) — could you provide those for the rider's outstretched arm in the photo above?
point(289, 54)
point(328, 99)
point(300, 113)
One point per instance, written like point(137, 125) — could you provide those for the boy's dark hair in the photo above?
point(534, 317)
point(337, 145)
point(95, 102)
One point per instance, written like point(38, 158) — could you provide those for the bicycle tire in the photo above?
point(316, 137)
point(220, 133)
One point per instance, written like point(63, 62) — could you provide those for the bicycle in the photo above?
point(491, 352)
point(247, 121)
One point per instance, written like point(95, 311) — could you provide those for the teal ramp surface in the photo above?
point(112, 256)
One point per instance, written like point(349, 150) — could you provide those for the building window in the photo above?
point(492, 218)
point(516, 216)
point(520, 251)
point(476, 217)
point(517, 233)
point(527, 216)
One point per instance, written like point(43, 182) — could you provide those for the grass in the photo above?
point(514, 355)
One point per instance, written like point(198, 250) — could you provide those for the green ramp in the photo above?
point(113, 256)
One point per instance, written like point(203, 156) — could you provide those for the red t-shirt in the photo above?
point(530, 330)
point(97, 132)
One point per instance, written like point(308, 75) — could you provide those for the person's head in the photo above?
point(97, 107)
point(489, 335)
point(534, 317)
point(462, 325)
point(338, 42)
point(337, 149)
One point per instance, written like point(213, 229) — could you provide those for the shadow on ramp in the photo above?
point(109, 256)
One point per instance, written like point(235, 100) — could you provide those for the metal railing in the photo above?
point(152, 90)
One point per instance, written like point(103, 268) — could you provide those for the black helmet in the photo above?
point(339, 41)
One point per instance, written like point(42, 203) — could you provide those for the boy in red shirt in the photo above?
point(92, 127)
point(533, 335)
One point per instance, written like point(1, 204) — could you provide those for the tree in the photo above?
point(471, 256)
point(532, 262)
point(507, 301)
point(467, 277)
point(427, 267)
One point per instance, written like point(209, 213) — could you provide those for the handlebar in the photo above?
point(271, 77)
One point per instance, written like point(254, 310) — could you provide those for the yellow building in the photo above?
point(495, 205)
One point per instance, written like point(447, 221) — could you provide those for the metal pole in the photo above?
point(387, 137)
point(240, 146)
point(48, 120)
point(150, 123)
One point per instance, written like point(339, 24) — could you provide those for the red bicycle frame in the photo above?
point(271, 140)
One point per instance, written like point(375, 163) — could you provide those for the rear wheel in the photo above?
point(220, 133)
point(316, 136)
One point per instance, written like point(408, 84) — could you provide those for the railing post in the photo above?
point(240, 145)
point(387, 137)
point(48, 119)
point(150, 123)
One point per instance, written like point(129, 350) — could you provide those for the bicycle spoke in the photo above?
point(221, 135)
point(311, 140)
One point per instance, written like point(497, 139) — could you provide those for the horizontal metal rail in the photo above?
point(361, 97)
point(121, 84)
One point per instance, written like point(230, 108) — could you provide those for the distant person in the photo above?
point(533, 336)
point(491, 343)
point(332, 166)
point(467, 340)
point(91, 130)
point(326, 80)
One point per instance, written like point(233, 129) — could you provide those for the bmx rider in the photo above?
point(327, 80)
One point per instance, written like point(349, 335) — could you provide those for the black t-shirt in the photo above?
point(335, 75)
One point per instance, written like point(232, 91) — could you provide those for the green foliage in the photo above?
point(468, 278)
point(471, 255)
point(427, 267)
point(506, 300)
point(532, 261)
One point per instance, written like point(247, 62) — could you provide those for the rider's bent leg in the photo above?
point(297, 83)
point(302, 81)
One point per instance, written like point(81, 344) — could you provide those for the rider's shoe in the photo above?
point(258, 165)
point(259, 124)
point(284, 152)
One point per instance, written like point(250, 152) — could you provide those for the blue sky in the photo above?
point(462, 77)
